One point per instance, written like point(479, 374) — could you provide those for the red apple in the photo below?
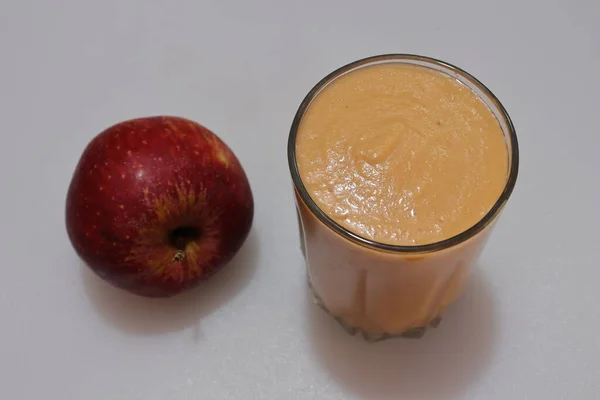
point(158, 204)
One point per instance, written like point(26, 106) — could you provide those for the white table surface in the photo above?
point(528, 326)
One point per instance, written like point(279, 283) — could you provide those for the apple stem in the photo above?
point(179, 256)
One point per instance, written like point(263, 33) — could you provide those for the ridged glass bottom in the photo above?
point(413, 333)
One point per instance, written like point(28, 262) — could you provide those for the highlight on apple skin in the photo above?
point(158, 204)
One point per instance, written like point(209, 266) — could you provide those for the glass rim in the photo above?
point(423, 248)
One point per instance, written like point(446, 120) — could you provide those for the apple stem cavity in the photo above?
point(180, 237)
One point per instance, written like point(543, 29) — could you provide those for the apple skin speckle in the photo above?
point(184, 183)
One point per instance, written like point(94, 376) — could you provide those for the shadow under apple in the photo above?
point(141, 315)
point(441, 365)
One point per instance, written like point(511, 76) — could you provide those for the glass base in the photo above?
point(412, 333)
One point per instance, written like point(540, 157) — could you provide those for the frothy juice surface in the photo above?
point(401, 154)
